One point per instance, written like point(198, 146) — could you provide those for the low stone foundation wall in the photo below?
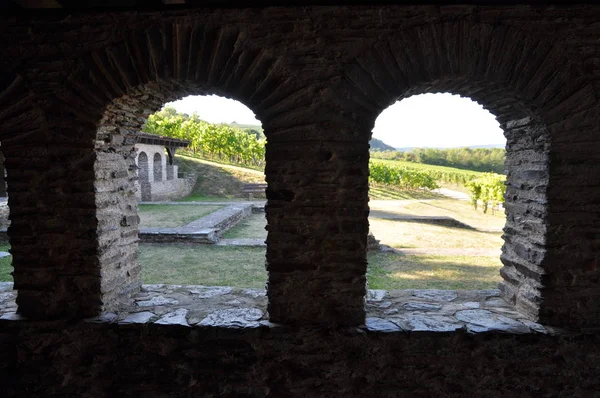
point(168, 189)
point(207, 229)
point(171, 189)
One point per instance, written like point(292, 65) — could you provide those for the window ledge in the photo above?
point(439, 311)
point(471, 311)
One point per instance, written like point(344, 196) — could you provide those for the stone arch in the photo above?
point(530, 87)
point(157, 166)
point(110, 92)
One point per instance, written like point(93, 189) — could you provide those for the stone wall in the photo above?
point(160, 361)
point(74, 88)
point(164, 191)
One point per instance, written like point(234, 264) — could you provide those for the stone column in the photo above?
point(163, 162)
point(523, 252)
point(171, 172)
point(317, 220)
point(116, 212)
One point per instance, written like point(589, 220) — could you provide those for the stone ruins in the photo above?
point(78, 82)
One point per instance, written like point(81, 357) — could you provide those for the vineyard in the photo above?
point(401, 177)
point(245, 147)
point(485, 188)
point(207, 140)
point(489, 189)
point(439, 173)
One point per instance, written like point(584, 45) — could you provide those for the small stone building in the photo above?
point(158, 176)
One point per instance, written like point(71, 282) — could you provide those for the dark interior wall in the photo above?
point(73, 88)
point(88, 360)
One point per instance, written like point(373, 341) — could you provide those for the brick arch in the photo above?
point(530, 87)
point(511, 73)
point(107, 95)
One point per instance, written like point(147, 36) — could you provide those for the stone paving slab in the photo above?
point(440, 311)
point(221, 218)
point(206, 229)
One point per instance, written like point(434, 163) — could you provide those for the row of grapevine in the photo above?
point(440, 173)
point(213, 141)
point(401, 177)
point(451, 177)
point(489, 189)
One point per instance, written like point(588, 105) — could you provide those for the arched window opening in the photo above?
point(221, 167)
point(5, 256)
point(157, 167)
point(437, 184)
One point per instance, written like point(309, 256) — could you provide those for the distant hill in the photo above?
point(378, 145)
point(410, 148)
point(249, 128)
point(242, 126)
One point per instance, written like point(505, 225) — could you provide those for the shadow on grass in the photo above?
point(393, 271)
point(442, 221)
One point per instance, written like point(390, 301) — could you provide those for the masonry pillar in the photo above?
point(53, 225)
point(116, 212)
point(523, 252)
point(572, 281)
point(317, 221)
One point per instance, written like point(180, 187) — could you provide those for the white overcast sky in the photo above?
point(435, 120)
point(215, 109)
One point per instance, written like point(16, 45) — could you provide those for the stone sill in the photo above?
point(397, 311)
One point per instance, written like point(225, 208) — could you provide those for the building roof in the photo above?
point(153, 139)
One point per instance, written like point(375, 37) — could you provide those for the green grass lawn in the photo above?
point(171, 216)
point(203, 265)
point(245, 267)
point(252, 227)
point(5, 264)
